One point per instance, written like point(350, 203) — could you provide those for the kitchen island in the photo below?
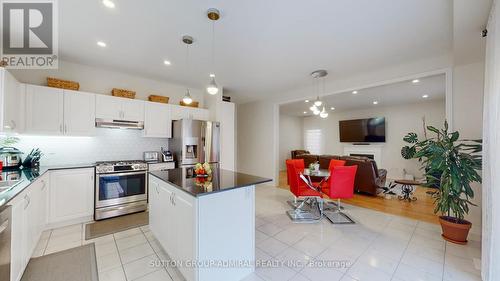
point(205, 224)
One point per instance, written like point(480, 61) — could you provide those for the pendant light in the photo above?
point(188, 40)
point(323, 113)
point(213, 15)
point(318, 107)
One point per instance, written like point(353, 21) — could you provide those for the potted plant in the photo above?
point(457, 162)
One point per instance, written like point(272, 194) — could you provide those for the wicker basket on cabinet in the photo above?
point(123, 93)
point(157, 98)
point(62, 84)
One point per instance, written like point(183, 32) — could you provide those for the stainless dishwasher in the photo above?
point(5, 217)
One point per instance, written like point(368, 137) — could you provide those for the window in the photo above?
point(312, 141)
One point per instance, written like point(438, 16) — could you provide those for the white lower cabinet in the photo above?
point(173, 222)
point(71, 194)
point(29, 219)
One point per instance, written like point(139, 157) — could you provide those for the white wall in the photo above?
point(108, 144)
point(468, 90)
point(400, 120)
point(256, 139)
point(491, 176)
point(291, 137)
point(102, 81)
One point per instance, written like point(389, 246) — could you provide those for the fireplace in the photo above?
point(371, 156)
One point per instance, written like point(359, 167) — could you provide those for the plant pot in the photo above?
point(453, 231)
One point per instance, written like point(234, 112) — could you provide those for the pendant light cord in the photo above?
point(213, 46)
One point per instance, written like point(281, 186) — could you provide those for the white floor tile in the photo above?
point(322, 274)
point(252, 277)
point(294, 259)
point(131, 241)
point(105, 249)
point(272, 246)
point(116, 274)
point(108, 262)
point(100, 240)
point(281, 273)
point(159, 275)
point(409, 273)
point(134, 253)
point(270, 229)
point(72, 229)
point(141, 267)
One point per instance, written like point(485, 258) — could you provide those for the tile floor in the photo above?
point(378, 247)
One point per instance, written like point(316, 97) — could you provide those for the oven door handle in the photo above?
point(122, 174)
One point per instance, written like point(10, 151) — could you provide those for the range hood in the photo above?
point(119, 124)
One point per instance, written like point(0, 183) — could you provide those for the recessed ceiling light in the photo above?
point(375, 102)
point(167, 62)
point(354, 92)
point(415, 81)
point(101, 44)
point(306, 101)
point(108, 3)
point(305, 112)
point(212, 75)
point(332, 108)
point(425, 96)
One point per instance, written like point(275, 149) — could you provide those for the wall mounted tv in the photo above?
point(362, 130)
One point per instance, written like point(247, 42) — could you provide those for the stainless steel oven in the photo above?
point(121, 188)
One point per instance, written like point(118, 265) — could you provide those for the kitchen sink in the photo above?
point(6, 185)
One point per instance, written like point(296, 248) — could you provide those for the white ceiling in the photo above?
point(263, 47)
point(399, 93)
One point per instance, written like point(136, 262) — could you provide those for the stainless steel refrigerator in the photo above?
point(195, 141)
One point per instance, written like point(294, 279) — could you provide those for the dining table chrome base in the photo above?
point(338, 217)
point(302, 216)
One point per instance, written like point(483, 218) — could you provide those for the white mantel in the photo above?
point(374, 149)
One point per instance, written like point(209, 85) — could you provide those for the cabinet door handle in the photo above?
point(13, 125)
point(61, 128)
point(173, 199)
point(44, 185)
point(65, 128)
point(28, 201)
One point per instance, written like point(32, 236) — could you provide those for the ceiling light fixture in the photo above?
point(375, 102)
point(101, 44)
point(323, 113)
point(306, 101)
point(425, 96)
point(415, 81)
point(167, 62)
point(305, 112)
point(188, 40)
point(354, 92)
point(213, 15)
point(108, 3)
point(315, 108)
point(332, 108)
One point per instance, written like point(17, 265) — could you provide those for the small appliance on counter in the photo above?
point(151, 156)
point(33, 159)
point(167, 156)
point(10, 157)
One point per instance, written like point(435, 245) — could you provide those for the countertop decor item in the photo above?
point(158, 98)
point(202, 170)
point(458, 162)
point(62, 84)
point(123, 93)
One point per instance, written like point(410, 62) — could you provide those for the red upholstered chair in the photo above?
point(299, 189)
point(341, 187)
point(299, 165)
point(333, 163)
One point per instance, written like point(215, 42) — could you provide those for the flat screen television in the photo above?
point(362, 130)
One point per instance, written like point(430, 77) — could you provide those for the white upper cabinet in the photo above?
point(157, 120)
point(79, 113)
point(44, 110)
point(52, 111)
point(11, 103)
point(133, 110)
point(185, 112)
point(109, 107)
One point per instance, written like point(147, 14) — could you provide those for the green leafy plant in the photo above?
point(456, 161)
point(8, 141)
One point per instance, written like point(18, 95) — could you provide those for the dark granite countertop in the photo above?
point(221, 180)
point(27, 176)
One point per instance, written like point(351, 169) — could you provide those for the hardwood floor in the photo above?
point(422, 209)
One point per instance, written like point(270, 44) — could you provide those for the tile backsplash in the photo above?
point(107, 144)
